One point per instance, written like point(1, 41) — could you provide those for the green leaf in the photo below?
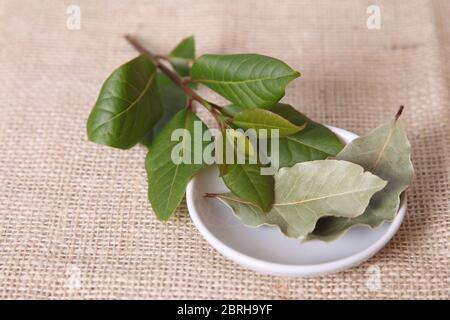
point(246, 181)
point(173, 100)
point(182, 56)
point(127, 107)
point(308, 191)
point(265, 119)
point(167, 181)
point(237, 138)
point(249, 80)
point(232, 110)
point(314, 142)
point(386, 152)
point(236, 143)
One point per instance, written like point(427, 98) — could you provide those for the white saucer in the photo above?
point(266, 249)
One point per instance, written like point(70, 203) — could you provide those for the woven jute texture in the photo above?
point(74, 217)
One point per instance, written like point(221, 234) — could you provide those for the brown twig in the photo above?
point(156, 59)
point(161, 57)
point(186, 80)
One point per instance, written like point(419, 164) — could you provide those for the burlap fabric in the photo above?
point(74, 216)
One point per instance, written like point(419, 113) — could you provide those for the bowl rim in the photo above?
point(298, 270)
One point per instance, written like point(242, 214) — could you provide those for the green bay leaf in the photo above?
point(308, 191)
point(386, 152)
point(264, 119)
point(127, 107)
point(314, 142)
point(246, 181)
point(232, 110)
point(167, 180)
point(249, 80)
point(182, 56)
point(172, 99)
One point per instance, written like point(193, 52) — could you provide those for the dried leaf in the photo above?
point(308, 191)
point(386, 152)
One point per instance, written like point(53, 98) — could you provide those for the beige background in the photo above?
point(71, 209)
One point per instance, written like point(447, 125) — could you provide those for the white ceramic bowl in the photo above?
point(266, 249)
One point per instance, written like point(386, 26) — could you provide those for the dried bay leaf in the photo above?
point(386, 152)
point(308, 191)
